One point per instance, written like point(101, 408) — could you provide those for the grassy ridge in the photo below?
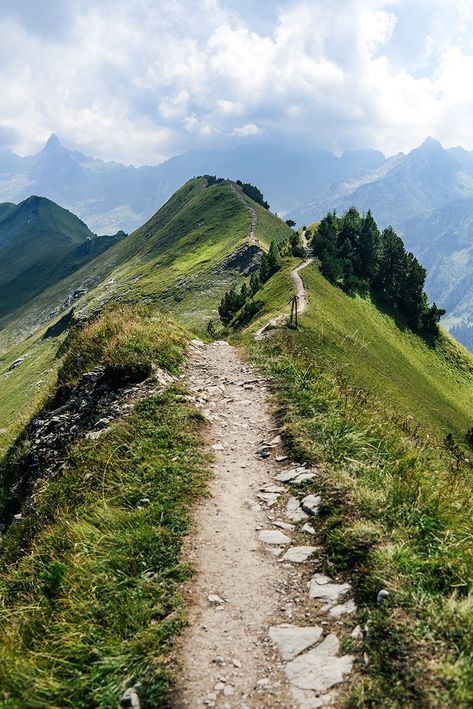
point(397, 510)
point(89, 582)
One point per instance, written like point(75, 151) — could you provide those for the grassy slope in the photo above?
point(38, 242)
point(173, 246)
point(89, 584)
point(397, 509)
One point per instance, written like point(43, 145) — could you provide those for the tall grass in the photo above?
point(89, 580)
point(397, 515)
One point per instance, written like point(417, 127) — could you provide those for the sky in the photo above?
point(138, 81)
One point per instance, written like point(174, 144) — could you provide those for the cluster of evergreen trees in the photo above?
point(355, 255)
point(235, 300)
point(253, 192)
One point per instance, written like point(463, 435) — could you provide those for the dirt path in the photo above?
point(253, 640)
point(301, 294)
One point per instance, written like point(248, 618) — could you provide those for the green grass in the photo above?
point(396, 505)
point(174, 259)
point(89, 583)
point(26, 388)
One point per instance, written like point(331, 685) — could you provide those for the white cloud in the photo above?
point(247, 130)
point(143, 80)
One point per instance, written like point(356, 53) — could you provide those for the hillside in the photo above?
point(40, 244)
point(427, 197)
point(197, 243)
point(182, 260)
point(330, 463)
point(382, 418)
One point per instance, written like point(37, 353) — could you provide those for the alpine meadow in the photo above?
point(236, 379)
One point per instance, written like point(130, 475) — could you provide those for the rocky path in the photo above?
point(263, 619)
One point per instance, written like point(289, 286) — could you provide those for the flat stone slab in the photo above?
point(288, 475)
point(311, 503)
point(294, 510)
point(324, 589)
point(270, 498)
point(270, 487)
point(299, 554)
point(284, 525)
point(319, 669)
point(343, 609)
point(291, 640)
point(273, 536)
point(302, 478)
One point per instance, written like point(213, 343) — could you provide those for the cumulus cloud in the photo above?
point(140, 81)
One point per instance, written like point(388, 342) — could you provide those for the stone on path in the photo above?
point(270, 498)
point(311, 504)
point(302, 478)
point(343, 609)
point(284, 525)
point(299, 554)
point(308, 529)
point(288, 475)
point(291, 640)
point(320, 668)
point(273, 536)
point(324, 589)
point(294, 510)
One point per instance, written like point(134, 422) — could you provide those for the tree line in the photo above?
point(241, 302)
point(355, 255)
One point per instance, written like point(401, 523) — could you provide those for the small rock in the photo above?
point(236, 663)
point(298, 555)
point(229, 691)
point(302, 478)
point(320, 668)
point(144, 502)
point(284, 525)
point(294, 510)
point(357, 633)
point(382, 596)
point(343, 609)
point(17, 518)
point(310, 504)
point(273, 536)
point(291, 640)
point(130, 699)
point(280, 458)
point(324, 589)
point(219, 686)
point(271, 488)
point(218, 447)
point(289, 475)
point(275, 441)
point(215, 600)
point(308, 529)
point(270, 498)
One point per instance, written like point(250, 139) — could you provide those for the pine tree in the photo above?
point(369, 248)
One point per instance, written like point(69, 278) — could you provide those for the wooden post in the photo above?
point(293, 318)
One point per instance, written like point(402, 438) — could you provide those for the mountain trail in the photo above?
point(301, 294)
point(261, 617)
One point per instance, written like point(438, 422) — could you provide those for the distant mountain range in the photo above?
point(109, 196)
point(426, 195)
point(40, 244)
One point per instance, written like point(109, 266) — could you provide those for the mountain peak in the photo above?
point(53, 142)
point(431, 143)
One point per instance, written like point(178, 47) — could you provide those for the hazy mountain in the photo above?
point(110, 196)
point(40, 244)
point(427, 196)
